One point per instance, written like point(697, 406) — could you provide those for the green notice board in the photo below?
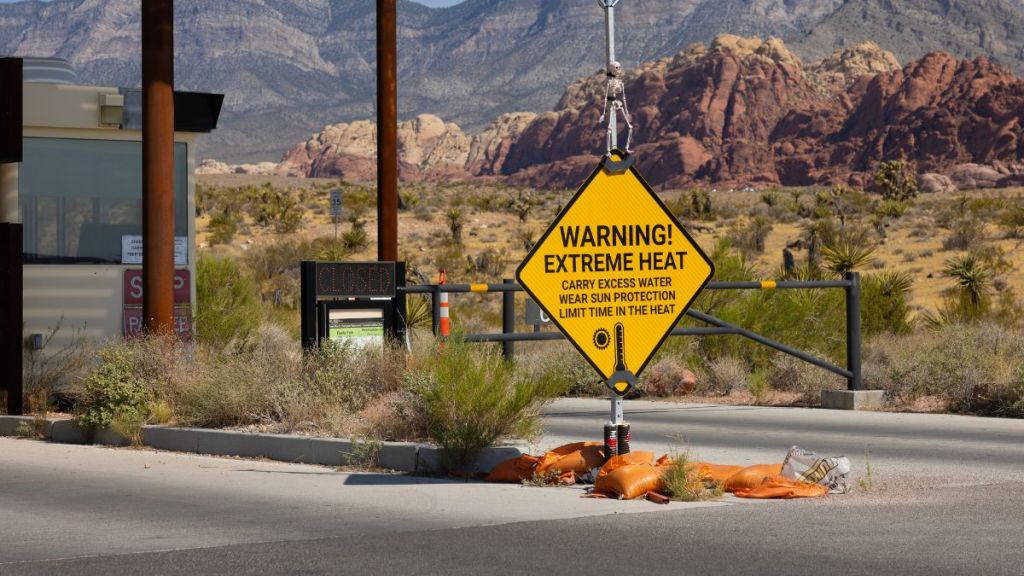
point(356, 327)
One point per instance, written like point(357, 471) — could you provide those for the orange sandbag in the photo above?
point(751, 477)
point(581, 457)
point(615, 462)
point(717, 473)
point(514, 469)
point(631, 481)
point(782, 487)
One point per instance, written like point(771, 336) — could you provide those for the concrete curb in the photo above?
point(400, 456)
point(9, 425)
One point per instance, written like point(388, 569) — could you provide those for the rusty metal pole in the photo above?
point(387, 131)
point(158, 165)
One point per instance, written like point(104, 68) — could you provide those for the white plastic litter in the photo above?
point(806, 466)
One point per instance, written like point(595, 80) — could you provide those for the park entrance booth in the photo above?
point(78, 192)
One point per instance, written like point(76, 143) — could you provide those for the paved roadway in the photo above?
point(948, 499)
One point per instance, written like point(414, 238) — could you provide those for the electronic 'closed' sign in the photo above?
point(355, 280)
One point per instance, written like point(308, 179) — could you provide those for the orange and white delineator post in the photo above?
point(445, 323)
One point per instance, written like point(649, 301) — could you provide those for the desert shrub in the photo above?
point(843, 203)
point(329, 249)
point(578, 377)
point(885, 302)
point(399, 415)
point(693, 205)
point(759, 388)
point(973, 367)
point(895, 180)
point(1012, 221)
point(771, 197)
point(353, 376)
point(667, 378)
point(724, 375)
point(965, 234)
point(489, 265)
point(794, 375)
point(526, 237)
point(522, 203)
point(749, 235)
point(227, 308)
point(276, 208)
point(424, 213)
point(730, 266)
point(355, 238)
point(970, 299)
point(408, 199)
point(784, 316)
point(46, 372)
point(112, 391)
point(890, 208)
point(223, 227)
point(473, 397)
point(455, 218)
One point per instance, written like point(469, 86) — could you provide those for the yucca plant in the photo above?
point(973, 278)
point(886, 302)
point(849, 251)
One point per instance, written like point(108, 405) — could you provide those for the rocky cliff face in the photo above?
point(427, 148)
point(739, 111)
point(708, 114)
point(289, 67)
point(746, 111)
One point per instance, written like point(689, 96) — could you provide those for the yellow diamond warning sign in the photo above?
point(615, 272)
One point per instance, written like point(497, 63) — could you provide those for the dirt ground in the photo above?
point(913, 243)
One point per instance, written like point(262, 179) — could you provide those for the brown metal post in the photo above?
point(11, 247)
point(387, 131)
point(158, 165)
point(11, 316)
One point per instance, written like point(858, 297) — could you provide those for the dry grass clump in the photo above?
point(578, 377)
point(791, 374)
point(46, 373)
point(668, 378)
point(685, 483)
point(724, 375)
point(463, 396)
point(976, 368)
point(270, 384)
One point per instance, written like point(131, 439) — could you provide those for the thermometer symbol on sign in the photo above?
point(622, 380)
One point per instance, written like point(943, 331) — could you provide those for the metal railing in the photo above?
point(850, 284)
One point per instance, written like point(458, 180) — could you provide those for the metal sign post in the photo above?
point(609, 27)
point(336, 210)
point(616, 283)
point(612, 446)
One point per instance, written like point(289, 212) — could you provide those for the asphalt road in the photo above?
point(948, 498)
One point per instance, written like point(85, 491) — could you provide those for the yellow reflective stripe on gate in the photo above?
point(478, 288)
point(769, 285)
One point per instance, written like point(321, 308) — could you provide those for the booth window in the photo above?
point(78, 198)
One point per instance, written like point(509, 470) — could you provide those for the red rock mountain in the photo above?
point(744, 111)
point(747, 111)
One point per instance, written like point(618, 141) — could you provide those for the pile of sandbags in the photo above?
point(638, 474)
point(566, 462)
